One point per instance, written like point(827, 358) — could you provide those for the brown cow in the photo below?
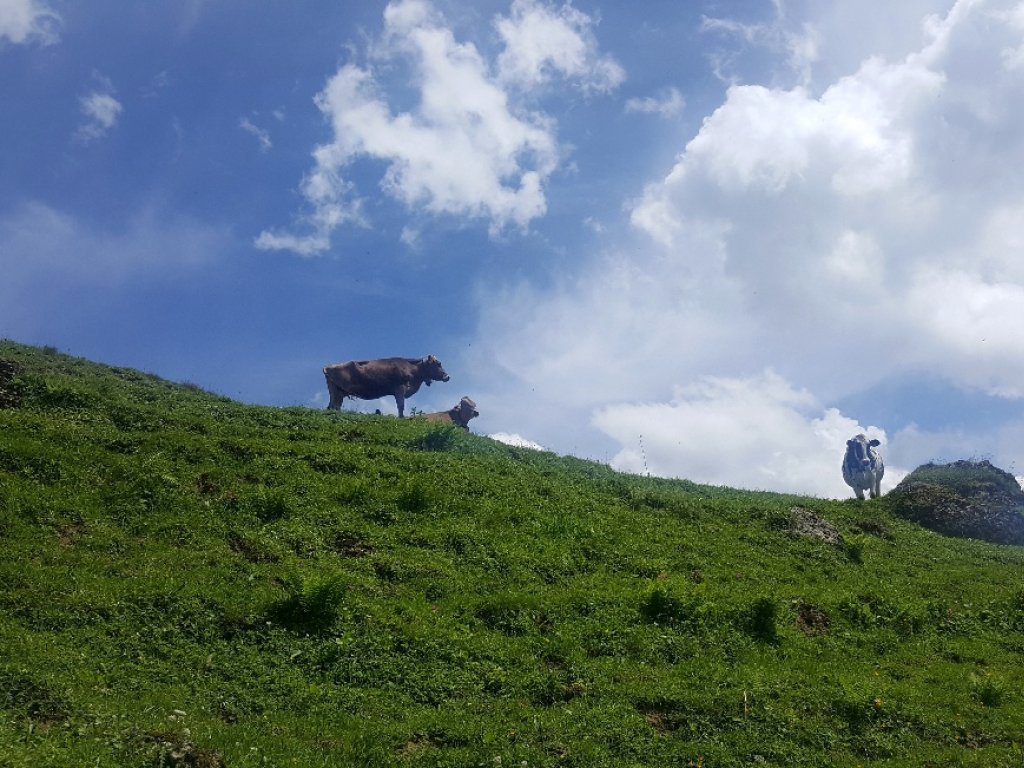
point(399, 377)
point(459, 415)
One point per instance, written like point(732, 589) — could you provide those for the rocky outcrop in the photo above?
point(966, 499)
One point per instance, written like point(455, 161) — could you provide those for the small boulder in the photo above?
point(808, 525)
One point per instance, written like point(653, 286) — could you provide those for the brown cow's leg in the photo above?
point(336, 397)
point(400, 402)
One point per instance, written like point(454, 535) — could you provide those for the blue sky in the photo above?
point(710, 239)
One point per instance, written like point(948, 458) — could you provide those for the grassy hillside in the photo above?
point(187, 581)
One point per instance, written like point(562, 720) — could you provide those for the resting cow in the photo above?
point(399, 377)
point(863, 467)
point(459, 415)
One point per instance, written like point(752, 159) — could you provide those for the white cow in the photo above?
point(863, 467)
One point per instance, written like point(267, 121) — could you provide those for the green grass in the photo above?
point(248, 586)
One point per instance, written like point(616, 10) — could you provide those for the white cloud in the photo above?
point(839, 235)
point(101, 111)
point(510, 438)
point(261, 134)
point(798, 45)
point(757, 433)
point(844, 216)
point(669, 104)
point(28, 21)
point(1013, 55)
point(541, 41)
point(464, 149)
point(912, 445)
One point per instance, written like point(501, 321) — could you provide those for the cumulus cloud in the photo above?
point(542, 41)
point(1003, 444)
point(757, 432)
point(101, 111)
point(839, 234)
point(510, 438)
point(852, 215)
point(798, 46)
point(464, 148)
point(1013, 55)
point(28, 21)
point(668, 104)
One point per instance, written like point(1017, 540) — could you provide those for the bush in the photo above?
point(312, 605)
point(662, 607)
point(440, 438)
point(511, 615)
point(760, 620)
point(269, 506)
point(987, 691)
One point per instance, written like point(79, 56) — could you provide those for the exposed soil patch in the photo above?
point(966, 499)
point(205, 486)
point(69, 534)
point(808, 525)
point(811, 620)
point(350, 545)
point(9, 395)
point(659, 721)
point(415, 745)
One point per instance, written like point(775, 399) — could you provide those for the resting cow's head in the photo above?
point(432, 370)
point(467, 410)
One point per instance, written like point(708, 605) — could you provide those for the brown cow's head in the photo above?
point(431, 369)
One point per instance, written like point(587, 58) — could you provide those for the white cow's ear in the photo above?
point(874, 443)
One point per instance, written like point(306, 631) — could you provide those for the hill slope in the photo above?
point(190, 581)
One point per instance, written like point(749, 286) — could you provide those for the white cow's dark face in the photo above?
point(858, 451)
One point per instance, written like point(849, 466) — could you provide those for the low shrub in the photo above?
point(312, 603)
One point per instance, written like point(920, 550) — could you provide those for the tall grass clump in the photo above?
point(312, 602)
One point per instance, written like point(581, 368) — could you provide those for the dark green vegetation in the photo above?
point(971, 499)
point(187, 581)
